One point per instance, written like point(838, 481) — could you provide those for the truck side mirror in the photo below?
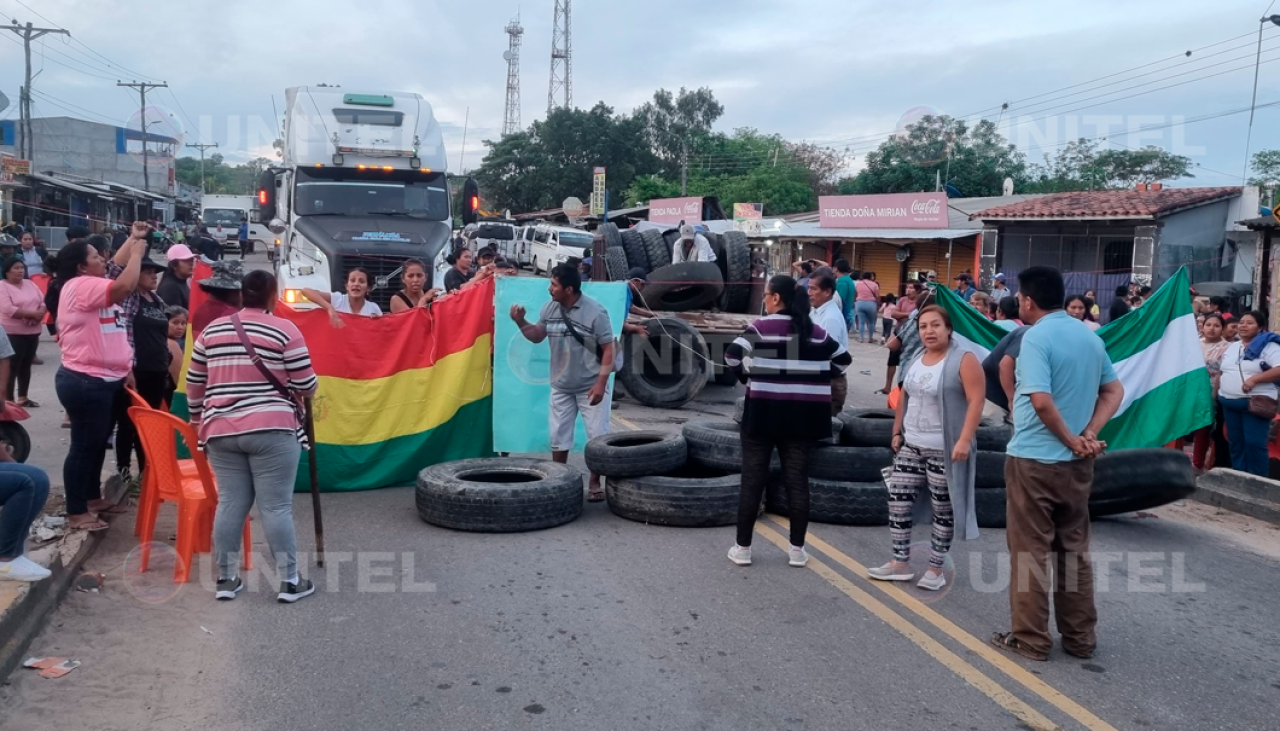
point(267, 196)
point(470, 201)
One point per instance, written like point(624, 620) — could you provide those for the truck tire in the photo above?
point(612, 236)
point(683, 287)
point(867, 427)
point(830, 501)
point(634, 248)
point(717, 248)
point(714, 445)
point(994, 438)
point(1139, 479)
point(846, 464)
point(739, 405)
point(636, 453)
point(989, 508)
point(615, 264)
point(989, 471)
point(737, 271)
point(687, 497)
point(499, 495)
point(668, 367)
point(656, 249)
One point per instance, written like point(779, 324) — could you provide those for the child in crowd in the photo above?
point(888, 308)
point(177, 340)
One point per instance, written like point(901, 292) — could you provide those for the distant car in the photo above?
point(554, 245)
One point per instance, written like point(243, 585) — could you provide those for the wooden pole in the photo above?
point(315, 484)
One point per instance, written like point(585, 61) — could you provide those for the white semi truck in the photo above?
point(362, 185)
point(222, 215)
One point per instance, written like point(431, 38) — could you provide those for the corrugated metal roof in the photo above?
point(777, 228)
point(50, 180)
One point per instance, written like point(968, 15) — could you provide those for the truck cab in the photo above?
point(363, 185)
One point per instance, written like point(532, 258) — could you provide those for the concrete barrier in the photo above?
point(1240, 492)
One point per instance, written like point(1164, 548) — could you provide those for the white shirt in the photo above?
point(1232, 383)
point(830, 317)
point(32, 261)
point(701, 250)
point(342, 303)
point(922, 424)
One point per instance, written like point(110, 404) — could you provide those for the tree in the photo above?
point(1126, 168)
point(1081, 166)
point(677, 125)
point(1266, 168)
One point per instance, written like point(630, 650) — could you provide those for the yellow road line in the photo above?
point(625, 423)
point(953, 662)
point(984, 649)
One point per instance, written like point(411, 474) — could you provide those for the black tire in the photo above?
point(830, 501)
point(714, 445)
point(656, 249)
point(16, 436)
point(612, 236)
point(634, 248)
point(989, 508)
point(1139, 479)
point(845, 464)
point(737, 271)
point(499, 494)
point(635, 453)
point(868, 427)
point(989, 472)
point(615, 263)
point(665, 373)
point(687, 497)
point(725, 377)
point(994, 438)
point(683, 287)
point(717, 247)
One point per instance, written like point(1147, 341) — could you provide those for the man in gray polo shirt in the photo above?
point(582, 349)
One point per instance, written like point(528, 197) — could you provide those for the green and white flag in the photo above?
point(1155, 352)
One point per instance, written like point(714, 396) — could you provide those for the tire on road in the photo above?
point(656, 249)
point(687, 497)
point(17, 437)
point(663, 373)
point(845, 464)
point(714, 445)
point(499, 494)
point(635, 453)
point(1139, 479)
point(634, 248)
point(615, 263)
point(994, 438)
point(612, 236)
point(867, 427)
point(737, 271)
point(830, 501)
point(989, 507)
point(683, 287)
point(989, 472)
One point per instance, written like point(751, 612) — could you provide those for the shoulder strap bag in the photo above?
point(1263, 407)
point(598, 350)
point(298, 410)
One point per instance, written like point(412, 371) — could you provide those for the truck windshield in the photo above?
point(224, 216)
point(575, 239)
point(346, 192)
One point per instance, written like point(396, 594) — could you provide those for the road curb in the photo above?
point(22, 621)
point(1240, 492)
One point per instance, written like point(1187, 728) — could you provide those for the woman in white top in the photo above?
point(354, 302)
point(1250, 369)
point(933, 440)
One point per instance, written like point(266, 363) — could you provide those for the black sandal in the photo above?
point(1006, 641)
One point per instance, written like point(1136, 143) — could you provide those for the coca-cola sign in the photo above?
point(893, 210)
point(675, 210)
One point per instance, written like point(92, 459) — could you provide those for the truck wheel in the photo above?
point(714, 445)
point(499, 495)
point(831, 501)
point(868, 427)
point(717, 248)
point(615, 263)
point(1139, 479)
point(636, 453)
point(633, 245)
point(737, 269)
point(612, 237)
point(667, 367)
point(656, 249)
point(687, 497)
point(683, 287)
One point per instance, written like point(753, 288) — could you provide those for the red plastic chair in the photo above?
point(187, 466)
point(196, 497)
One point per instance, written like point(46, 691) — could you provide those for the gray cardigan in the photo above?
point(959, 475)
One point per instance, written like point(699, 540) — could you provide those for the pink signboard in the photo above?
point(675, 210)
point(893, 210)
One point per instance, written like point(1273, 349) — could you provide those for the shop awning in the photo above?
point(73, 187)
point(777, 228)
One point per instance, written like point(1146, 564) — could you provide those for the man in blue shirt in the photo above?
point(246, 245)
point(964, 287)
point(1066, 392)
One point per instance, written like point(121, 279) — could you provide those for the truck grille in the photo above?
point(378, 268)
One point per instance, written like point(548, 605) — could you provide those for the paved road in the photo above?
point(606, 623)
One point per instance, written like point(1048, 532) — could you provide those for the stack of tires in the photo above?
point(724, 285)
point(651, 479)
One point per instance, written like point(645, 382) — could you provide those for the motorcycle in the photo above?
point(13, 433)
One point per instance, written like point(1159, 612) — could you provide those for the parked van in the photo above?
point(554, 245)
point(498, 236)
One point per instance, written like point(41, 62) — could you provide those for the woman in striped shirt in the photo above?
point(788, 406)
point(248, 372)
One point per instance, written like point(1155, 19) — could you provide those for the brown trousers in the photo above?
point(839, 392)
point(1048, 534)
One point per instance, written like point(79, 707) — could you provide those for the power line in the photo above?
point(113, 65)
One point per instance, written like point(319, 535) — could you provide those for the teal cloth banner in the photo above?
point(521, 369)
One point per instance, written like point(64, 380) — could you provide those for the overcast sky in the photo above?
point(841, 72)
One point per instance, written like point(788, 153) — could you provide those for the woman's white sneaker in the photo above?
point(892, 571)
point(740, 555)
point(797, 556)
point(932, 580)
point(23, 569)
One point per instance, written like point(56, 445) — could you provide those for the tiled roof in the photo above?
point(1109, 203)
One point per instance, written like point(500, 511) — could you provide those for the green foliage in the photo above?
point(678, 125)
point(1266, 167)
point(220, 177)
point(1081, 165)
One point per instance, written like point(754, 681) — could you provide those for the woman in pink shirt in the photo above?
point(21, 310)
point(96, 360)
point(865, 302)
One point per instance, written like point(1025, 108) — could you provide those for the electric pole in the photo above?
point(684, 168)
point(29, 33)
point(142, 87)
point(201, 148)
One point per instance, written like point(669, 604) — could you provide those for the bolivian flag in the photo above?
point(397, 393)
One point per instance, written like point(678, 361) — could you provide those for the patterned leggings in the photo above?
point(913, 468)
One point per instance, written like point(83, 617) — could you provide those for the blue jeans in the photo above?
point(259, 466)
point(864, 315)
point(88, 402)
point(23, 490)
point(1247, 436)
